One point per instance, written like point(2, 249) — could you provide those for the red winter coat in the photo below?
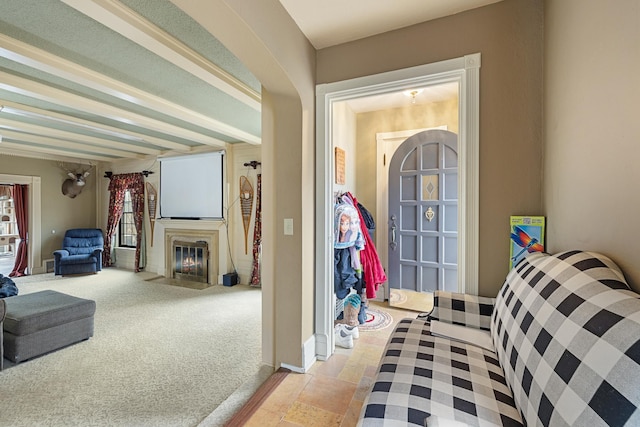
point(372, 270)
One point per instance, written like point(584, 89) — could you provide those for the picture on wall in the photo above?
point(527, 236)
point(340, 166)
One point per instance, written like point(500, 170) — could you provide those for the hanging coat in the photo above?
point(372, 269)
point(344, 276)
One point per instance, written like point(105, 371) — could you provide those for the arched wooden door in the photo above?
point(423, 213)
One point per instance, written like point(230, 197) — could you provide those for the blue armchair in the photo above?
point(81, 252)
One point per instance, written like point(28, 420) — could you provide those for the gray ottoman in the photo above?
point(44, 321)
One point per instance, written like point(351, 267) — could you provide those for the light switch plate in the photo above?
point(288, 226)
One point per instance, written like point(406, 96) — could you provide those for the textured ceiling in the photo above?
point(103, 80)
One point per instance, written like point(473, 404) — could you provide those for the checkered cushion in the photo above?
point(421, 374)
point(566, 329)
point(462, 309)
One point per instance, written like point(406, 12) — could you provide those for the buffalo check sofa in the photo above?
point(565, 336)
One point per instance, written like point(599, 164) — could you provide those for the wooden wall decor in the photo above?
point(152, 200)
point(246, 206)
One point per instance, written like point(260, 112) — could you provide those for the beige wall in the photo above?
point(59, 212)
point(345, 136)
point(592, 129)
point(509, 35)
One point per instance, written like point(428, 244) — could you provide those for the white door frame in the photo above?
point(34, 262)
point(464, 70)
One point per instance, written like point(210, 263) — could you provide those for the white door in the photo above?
point(423, 213)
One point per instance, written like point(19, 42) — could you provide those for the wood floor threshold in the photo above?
point(265, 390)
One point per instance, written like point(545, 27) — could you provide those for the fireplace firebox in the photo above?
point(190, 260)
point(192, 238)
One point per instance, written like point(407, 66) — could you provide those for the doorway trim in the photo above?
point(34, 263)
point(464, 70)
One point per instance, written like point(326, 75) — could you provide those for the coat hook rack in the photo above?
point(253, 163)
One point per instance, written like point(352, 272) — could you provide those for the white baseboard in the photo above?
point(309, 353)
point(322, 346)
point(296, 369)
point(308, 357)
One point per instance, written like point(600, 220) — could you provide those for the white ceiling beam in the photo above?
point(31, 56)
point(22, 110)
point(60, 143)
point(91, 141)
point(128, 23)
point(22, 86)
point(32, 151)
point(42, 156)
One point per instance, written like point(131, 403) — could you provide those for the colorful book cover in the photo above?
point(527, 236)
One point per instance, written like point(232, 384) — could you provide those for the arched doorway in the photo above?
point(287, 165)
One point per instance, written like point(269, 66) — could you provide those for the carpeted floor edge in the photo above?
point(242, 415)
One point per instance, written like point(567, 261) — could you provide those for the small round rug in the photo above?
point(376, 320)
point(397, 297)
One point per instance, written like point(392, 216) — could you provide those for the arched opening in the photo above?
point(284, 63)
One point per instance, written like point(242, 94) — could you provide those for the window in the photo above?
point(127, 229)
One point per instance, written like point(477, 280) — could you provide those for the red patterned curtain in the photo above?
point(22, 255)
point(134, 182)
point(256, 280)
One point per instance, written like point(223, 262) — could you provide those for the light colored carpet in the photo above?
point(161, 355)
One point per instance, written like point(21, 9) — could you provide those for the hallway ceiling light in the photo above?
point(413, 93)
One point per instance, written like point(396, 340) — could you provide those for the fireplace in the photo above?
point(190, 260)
point(191, 255)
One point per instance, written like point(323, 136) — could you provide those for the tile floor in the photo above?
point(410, 300)
point(333, 391)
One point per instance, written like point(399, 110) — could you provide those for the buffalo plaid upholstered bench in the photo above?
point(564, 338)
